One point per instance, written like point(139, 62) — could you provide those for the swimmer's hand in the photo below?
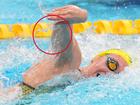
point(72, 13)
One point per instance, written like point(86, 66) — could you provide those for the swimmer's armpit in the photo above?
point(60, 39)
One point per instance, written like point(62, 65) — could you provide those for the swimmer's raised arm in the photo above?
point(61, 36)
point(70, 59)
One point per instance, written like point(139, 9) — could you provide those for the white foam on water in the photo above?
point(117, 89)
point(15, 54)
point(90, 45)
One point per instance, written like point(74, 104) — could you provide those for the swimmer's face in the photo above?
point(111, 63)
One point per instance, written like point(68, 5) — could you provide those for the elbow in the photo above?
point(85, 15)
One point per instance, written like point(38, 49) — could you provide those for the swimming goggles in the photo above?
point(112, 64)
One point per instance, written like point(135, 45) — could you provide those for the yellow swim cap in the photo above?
point(119, 52)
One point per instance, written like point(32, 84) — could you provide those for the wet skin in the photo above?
point(47, 69)
point(98, 66)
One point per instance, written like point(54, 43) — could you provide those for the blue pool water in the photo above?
point(29, 11)
point(17, 55)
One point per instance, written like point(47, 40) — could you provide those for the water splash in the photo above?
point(125, 87)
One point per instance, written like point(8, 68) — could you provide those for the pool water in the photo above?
point(17, 55)
point(23, 11)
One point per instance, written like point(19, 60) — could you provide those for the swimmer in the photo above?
point(110, 61)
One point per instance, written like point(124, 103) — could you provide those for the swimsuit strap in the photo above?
point(26, 89)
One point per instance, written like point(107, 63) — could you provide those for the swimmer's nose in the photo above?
point(95, 70)
point(89, 71)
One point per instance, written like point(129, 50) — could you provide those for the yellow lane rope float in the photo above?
point(102, 27)
point(137, 25)
point(81, 27)
point(21, 30)
point(5, 32)
point(42, 30)
point(123, 27)
point(117, 27)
